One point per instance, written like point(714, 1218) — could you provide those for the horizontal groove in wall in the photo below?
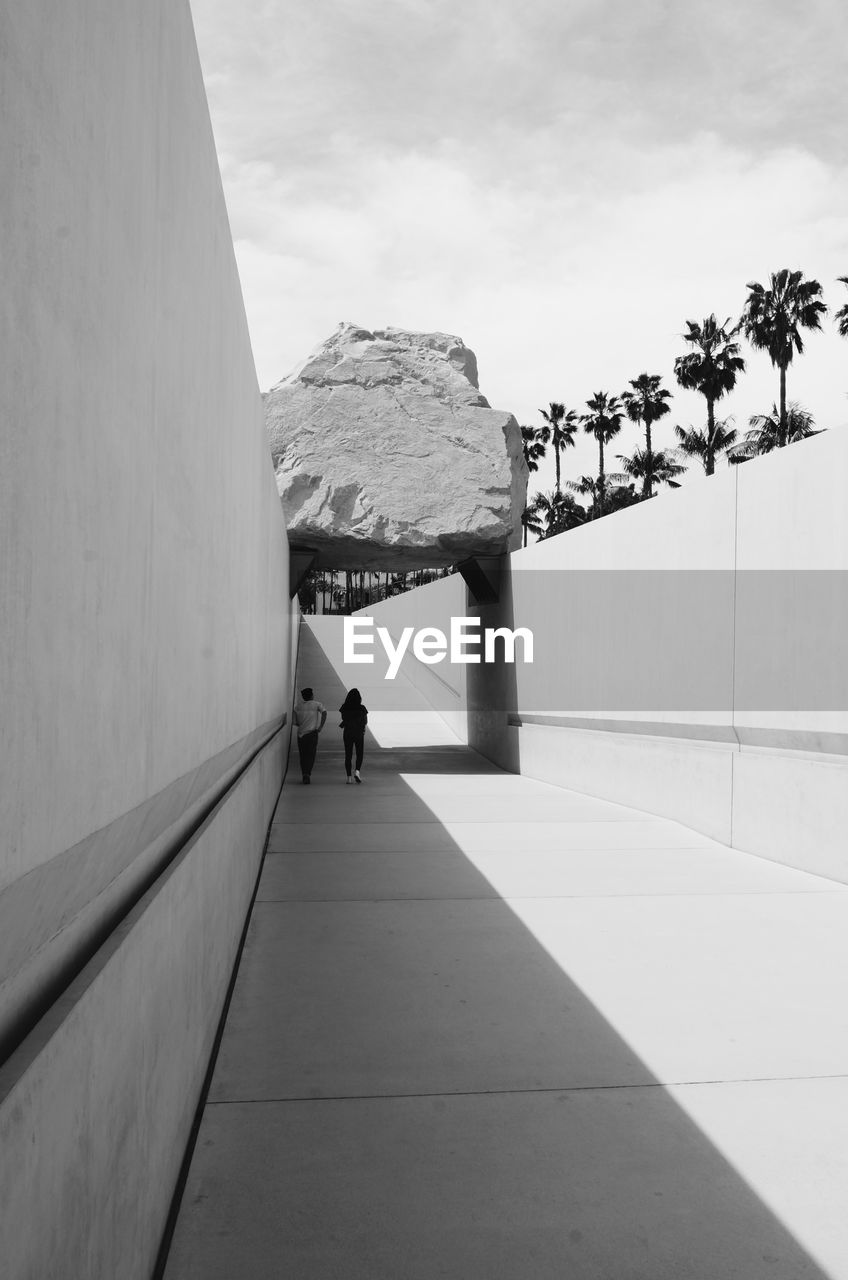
point(78, 982)
point(53, 919)
point(811, 741)
point(647, 728)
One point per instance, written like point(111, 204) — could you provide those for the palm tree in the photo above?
point(710, 368)
point(618, 493)
point(308, 591)
point(603, 421)
point(841, 316)
point(646, 403)
point(533, 440)
point(707, 445)
point(569, 514)
point(660, 467)
point(556, 512)
point(587, 487)
point(773, 319)
point(530, 521)
point(561, 426)
point(764, 431)
point(621, 496)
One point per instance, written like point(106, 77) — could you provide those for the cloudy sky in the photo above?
point(562, 183)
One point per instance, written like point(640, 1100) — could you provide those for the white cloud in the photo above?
point(567, 246)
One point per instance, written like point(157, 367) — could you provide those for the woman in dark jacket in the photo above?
point(354, 719)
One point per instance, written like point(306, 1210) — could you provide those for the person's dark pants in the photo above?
point(307, 745)
point(351, 740)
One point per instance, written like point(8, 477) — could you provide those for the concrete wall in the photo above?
point(145, 628)
point(97, 1103)
point(689, 657)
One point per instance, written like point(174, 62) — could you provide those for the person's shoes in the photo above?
point(306, 779)
point(356, 775)
point(349, 779)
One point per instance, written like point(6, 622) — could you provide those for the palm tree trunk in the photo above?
point(556, 457)
point(600, 476)
point(781, 435)
point(648, 482)
point(709, 460)
point(524, 525)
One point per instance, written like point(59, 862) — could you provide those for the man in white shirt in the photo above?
point(309, 716)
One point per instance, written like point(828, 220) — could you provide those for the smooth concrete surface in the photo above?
point(144, 611)
point(586, 1184)
point(688, 781)
point(53, 916)
point(372, 875)
point(97, 1103)
point(423, 836)
point(793, 807)
point(145, 623)
point(550, 803)
point(699, 638)
point(448, 1058)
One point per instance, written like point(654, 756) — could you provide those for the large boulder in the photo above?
point(388, 457)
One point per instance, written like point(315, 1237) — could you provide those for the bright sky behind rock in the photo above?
point(562, 184)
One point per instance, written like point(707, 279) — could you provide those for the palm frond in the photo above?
point(773, 318)
point(660, 465)
point(647, 401)
point(706, 445)
point(554, 513)
point(714, 363)
point(533, 445)
point(763, 435)
point(603, 421)
point(841, 316)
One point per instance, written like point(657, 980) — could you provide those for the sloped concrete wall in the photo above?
point(144, 570)
point(689, 657)
point(146, 636)
point(97, 1103)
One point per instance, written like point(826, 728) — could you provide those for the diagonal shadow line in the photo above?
point(544, 1147)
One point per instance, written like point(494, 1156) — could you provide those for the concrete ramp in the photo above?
point(489, 1027)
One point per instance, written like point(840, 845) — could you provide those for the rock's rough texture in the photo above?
point(387, 456)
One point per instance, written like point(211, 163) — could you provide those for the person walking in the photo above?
point(354, 719)
point(309, 716)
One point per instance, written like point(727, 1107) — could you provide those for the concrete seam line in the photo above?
point(566, 897)
point(733, 646)
point(294, 1099)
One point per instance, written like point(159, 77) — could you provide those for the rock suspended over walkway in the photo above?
point(387, 456)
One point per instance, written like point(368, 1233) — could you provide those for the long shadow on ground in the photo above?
point(409, 1086)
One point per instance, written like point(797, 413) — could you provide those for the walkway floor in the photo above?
point(489, 1028)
